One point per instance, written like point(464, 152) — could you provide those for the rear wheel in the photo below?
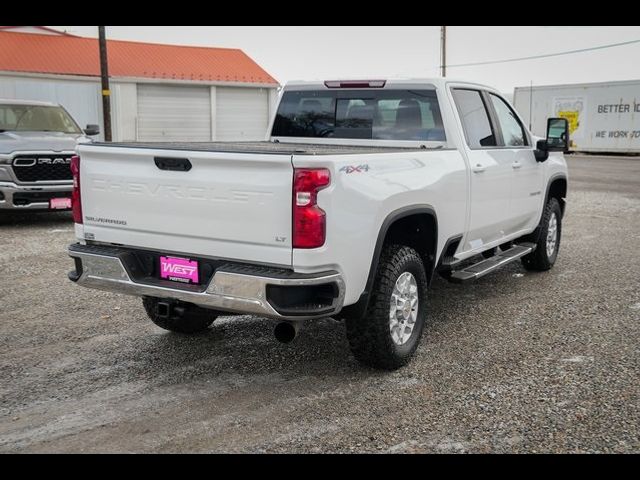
point(180, 317)
point(548, 245)
point(388, 335)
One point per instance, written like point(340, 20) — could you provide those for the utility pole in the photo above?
point(106, 93)
point(443, 50)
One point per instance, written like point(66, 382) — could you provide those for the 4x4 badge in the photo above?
point(355, 169)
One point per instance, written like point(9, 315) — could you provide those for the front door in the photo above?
point(527, 174)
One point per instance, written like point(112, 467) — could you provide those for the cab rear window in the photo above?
point(360, 114)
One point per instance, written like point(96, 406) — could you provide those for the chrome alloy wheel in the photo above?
point(404, 308)
point(552, 235)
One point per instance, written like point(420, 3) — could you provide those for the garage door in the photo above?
point(174, 113)
point(242, 113)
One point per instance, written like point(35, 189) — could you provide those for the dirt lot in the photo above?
point(517, 362)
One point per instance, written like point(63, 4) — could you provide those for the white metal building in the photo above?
point(158, 92)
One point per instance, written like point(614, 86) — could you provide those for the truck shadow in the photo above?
point(246, 345)
point(12, 219)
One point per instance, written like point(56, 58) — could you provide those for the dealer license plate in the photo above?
point(60, 203)
point(180, 270)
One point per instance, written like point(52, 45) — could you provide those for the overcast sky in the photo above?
point(335, 52)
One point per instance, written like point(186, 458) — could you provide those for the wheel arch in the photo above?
point(409, 226)
point(557, 188)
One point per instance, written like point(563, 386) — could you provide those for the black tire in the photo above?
point(540, 260)
point(192, 319)
point(370, 336)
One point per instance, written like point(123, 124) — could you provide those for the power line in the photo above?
point(536, 57)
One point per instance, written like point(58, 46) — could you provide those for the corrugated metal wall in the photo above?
point(155, 112)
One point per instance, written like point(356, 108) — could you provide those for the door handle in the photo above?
point(479, 168)
point(516, 165)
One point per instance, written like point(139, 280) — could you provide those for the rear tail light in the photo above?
point(76, 202)
point(309, 222)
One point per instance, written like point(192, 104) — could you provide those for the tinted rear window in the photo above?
point(362, 114)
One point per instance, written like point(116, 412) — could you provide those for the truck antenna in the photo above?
point(530, 105)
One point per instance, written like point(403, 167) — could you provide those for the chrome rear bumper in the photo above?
point(237, 289)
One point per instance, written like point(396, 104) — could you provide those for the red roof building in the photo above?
point(158, 92)
point(65, 54)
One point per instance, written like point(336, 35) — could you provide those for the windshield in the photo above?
point(360, 114)
point(35, 118)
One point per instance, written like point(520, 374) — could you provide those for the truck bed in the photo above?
point(233, 203)
point(258, 147)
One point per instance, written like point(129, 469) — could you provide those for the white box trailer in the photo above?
point(603, 117)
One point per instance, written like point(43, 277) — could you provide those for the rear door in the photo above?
point(227, 205)
point(491, 171)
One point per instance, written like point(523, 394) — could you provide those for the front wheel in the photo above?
point(388, 335)
point(548, 245)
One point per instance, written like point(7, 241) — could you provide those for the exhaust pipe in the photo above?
point(286, 332)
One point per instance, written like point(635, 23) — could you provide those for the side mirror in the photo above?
point(558, 135)
point(557, 139)
point(92, 130)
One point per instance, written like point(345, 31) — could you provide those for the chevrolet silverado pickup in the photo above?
point(362, 192)
point(37, 141)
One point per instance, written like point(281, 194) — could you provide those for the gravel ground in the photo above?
point(517, 362)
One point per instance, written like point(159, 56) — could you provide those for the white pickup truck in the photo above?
point(363, 191)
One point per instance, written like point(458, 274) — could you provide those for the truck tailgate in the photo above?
point(227, 205)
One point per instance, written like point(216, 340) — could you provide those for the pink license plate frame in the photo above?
point(60, 204)
point(181, 270)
